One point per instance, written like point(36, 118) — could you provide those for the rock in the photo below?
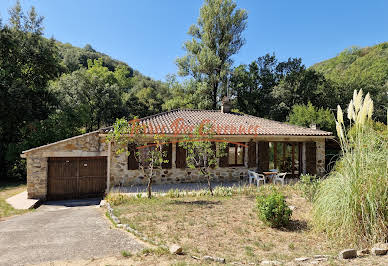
point(292, 208)
point(348, 254)
point(363, 252)
point(302, 259)
point(270, 262)
point(216, 259)
point(175, 249)
point(102, 203)
point(379, 251)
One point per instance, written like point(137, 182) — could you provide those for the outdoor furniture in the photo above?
point(270, 175)
point(255, 177)
point(280, 178)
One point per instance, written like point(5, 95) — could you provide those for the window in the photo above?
point(236, 155)
point(286, 157)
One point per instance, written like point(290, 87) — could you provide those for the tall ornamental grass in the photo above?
point(351, 205)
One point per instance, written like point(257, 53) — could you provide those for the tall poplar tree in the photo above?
point(216, 37)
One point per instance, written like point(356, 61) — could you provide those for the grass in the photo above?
point(223, 226)
point(9, 189)
point(354, 197)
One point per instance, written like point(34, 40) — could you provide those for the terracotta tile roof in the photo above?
point(183, 121)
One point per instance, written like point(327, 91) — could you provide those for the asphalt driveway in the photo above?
point(63, 230)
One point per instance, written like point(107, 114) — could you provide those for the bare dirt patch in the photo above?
point(225, 227)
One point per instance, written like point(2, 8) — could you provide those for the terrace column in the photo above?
point(320, 157)
point(173, 156)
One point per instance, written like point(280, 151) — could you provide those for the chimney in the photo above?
point(226, 106)
point(314, 126)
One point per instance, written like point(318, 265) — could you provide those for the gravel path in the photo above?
point(65, 230)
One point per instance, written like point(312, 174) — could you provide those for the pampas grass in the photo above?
point(351, 205)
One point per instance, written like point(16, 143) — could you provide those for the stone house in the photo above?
point(88, 165)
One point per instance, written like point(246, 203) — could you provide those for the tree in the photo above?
point(202, 151)
point(305, 115)
point(28, 62)
point(252, 85)
point(92, 94)
point(215, 38)
point(269, 88)
point(188, 94)
point(130, 137)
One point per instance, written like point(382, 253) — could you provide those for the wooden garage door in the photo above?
point(72, 178)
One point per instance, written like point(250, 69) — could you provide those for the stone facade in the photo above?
point(84, 145)
point(320, 157)
point(94, 144)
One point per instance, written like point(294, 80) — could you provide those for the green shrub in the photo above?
point(126, 254)
point(309, 184)
point(273, 210)
point(351, 205)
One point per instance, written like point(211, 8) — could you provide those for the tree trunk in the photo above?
point(149, 186)
point(208, 181)
point(215, 90)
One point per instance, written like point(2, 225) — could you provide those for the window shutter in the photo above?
point(224, 160)
point(167, 149)
point(263, 156)
point(252, 154)
point(180, 157)
point(311, 163)
point(132, 163)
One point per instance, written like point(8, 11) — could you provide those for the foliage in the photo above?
point(216, 37)
point(92, 96)
point(273, 210)
point(360, 68)
point(189, 94)
point(28, 61)
point(309, 184)
point(305, 115)
point(202, 153)
point(148, 156)
point(354, 197)
point(269, 88)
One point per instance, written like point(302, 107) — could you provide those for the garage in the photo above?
point(76, 177)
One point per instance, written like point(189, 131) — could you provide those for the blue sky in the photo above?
point(149, 34)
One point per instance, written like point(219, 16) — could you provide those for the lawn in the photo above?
point(224, 226)
point(8, 189)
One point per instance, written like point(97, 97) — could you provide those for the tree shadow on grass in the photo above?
point(296, 226)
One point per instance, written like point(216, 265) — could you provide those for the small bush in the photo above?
point(126, 254)
point(309, 186)
point(273, 209)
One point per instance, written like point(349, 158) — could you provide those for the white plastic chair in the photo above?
point(255, 177)
point(280, 178)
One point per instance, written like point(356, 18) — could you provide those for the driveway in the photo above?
point(62, 230)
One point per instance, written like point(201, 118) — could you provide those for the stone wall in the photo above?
point(320, 157)
point(37, 166)
point(121, 176)
point(92, 144)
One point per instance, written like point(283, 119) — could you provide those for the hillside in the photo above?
point(74, 57)
point(361, 68)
